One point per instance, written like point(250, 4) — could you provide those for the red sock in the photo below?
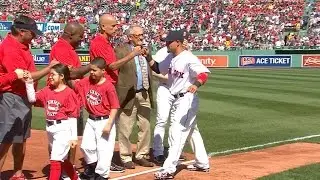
point(55, 170)
point(68, 168)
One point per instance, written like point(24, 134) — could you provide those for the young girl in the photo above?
point(62, 109)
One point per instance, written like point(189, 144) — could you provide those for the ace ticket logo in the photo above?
point(245, 61)
point(311, 61)
point(93, 97)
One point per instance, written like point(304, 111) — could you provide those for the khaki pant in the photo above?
point(141, 113)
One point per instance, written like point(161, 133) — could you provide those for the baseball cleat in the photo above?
point(116, 168)
point(162, 175)
point(194, 167)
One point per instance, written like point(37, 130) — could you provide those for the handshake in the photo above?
point(140, 50)
point(23, 74)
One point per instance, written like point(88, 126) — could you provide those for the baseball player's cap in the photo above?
point(177, 35)
point(25, 22)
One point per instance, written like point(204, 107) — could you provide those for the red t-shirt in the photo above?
point(7, 79)
point(101, 47)
point(63, 52)
point(58, 105)
point(13, 55)
point(98, 99)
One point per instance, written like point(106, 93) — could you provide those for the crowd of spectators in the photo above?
point(213, 24)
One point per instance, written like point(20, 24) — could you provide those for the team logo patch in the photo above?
point(53, 107)
point(93, 97)
point(176, 73)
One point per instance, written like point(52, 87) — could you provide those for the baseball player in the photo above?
point(62, 110)
point(164, 103)
point(101, 101)
point(185, 75)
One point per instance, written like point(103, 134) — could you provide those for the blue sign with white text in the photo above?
point(5, 25)
point(265, 61)
point(41, 59)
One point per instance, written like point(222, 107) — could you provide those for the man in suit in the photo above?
point(135, 96)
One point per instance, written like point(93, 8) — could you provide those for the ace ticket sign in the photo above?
point(214, 61)
point(310, 60)
point(265, 61)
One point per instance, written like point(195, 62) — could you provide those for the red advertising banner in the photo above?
point(310, 60)
point(214, 61)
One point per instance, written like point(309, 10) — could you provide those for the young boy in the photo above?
point(100, 99)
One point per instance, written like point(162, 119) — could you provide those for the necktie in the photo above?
point(144, 72)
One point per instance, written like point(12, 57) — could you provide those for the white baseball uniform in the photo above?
point(164, 103)
point(183, 70)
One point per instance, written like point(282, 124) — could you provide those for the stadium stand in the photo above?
point(213, 24)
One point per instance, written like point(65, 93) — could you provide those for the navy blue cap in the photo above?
point(177, 35)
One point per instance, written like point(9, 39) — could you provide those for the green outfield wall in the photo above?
point(238, 58)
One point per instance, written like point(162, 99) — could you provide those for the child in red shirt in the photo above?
point(100, 99)
point(62, 109)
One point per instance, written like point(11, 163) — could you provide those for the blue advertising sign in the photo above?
point(41, 27)
point(49, 27)
point(41, 59)
point(5, 25)
point(265, 61)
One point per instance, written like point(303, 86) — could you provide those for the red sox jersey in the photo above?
point(182, 70)
point(98, 99)
point(58, 105)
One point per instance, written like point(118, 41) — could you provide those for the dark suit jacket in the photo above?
point(127, 81)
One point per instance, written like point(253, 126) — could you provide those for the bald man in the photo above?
point(64, 52)
point(101, 46)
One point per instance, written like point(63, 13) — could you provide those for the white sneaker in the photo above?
point(194, 167)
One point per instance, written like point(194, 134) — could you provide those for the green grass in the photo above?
point(246, 107)
point(310, 172)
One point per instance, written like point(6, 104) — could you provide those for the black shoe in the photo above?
point(98, 177)
point(159, 160)
point(116, 168)
point(89, 172)
point(144, 162)
point(129, 165)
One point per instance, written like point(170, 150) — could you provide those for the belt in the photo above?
point(96, 118)
point(179, 95)
point(50, 123)
point(141, 90)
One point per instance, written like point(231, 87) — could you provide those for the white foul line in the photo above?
point(222, 152)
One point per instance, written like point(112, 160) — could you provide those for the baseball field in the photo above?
point(256, 123)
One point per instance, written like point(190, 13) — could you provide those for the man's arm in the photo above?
point(152, 63)
point(37, 75)
point(119, 63)
point(78, 73)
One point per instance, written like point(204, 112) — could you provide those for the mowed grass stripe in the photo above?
point(300, 108)
point(304, 92)
point(265, 96)
point(277, 82)
point(270, 76)
point(291, 72)
point(218, 136)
